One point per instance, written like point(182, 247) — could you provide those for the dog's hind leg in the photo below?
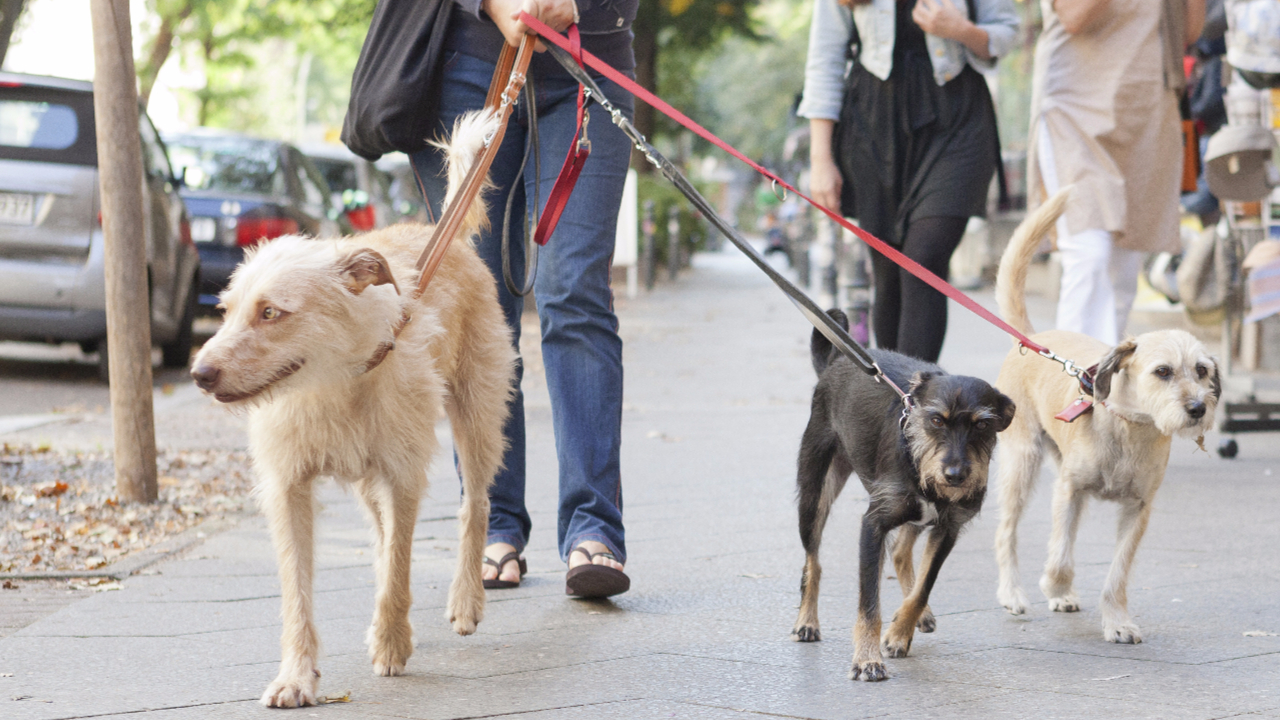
point(477, 408)
point(290, 509)
point(1057, 582)
point(868, 663)
point(395, 505)
point(820, 477)
point(1018, 466)
point(897, 642)
point(1117, 627)
point(904, 546)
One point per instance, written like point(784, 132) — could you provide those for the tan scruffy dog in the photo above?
point(344, 374)
point(1148, 389)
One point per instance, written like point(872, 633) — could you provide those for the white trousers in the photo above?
point(1099, 280)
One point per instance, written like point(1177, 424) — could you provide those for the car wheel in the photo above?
point(177, 354)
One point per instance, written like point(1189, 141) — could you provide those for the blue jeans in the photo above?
point(581, 350)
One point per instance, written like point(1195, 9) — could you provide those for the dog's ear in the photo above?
point(919, 381)
point(1110, 365)
point(364, 267)
point(1006, 408)
point(1215, 380)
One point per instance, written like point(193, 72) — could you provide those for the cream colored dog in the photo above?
point(1148, 389)
point(343, 374)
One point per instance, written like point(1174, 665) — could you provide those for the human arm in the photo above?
point(1195, 19)
point(1079, 15)
point(825, 182)
point(559, 14)
point(942, 18)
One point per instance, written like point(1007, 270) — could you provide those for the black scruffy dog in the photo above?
point(929, 471)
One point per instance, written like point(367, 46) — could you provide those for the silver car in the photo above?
point(51, 242)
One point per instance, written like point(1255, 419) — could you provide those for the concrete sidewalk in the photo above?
point(717, 393)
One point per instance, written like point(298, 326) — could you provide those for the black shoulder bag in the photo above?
point(395, 90)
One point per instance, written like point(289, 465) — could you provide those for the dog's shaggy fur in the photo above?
point(932, 472)
point(305, 348)
point(1147, 390)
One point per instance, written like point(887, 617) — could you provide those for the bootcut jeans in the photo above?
point(581, 350)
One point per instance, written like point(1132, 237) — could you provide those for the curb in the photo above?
point(134, 563)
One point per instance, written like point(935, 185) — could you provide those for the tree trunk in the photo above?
point(645, 28)
point(115, 107)
point(9, 12)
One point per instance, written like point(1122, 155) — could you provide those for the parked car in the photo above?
point(242, 190)
point(359, 187)
point(52, 287)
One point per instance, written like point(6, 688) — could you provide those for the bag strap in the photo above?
point(508, 79)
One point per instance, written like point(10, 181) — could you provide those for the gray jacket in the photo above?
point(832, 28)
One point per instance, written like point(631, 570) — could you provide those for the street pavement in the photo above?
point(718, 382)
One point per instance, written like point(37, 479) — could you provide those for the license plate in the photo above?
point(203, 229)
point(17, 208)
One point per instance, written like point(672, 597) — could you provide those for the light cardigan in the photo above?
point(832, 30)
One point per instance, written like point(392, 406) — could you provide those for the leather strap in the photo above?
point(508, 79)
point(579, 150)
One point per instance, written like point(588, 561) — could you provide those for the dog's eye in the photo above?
point(981, 425)
point(270, 313)
point(1202, 371)
point(936, 421)
point(1164, 372)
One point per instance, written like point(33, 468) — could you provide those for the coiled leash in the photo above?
point(574, 60)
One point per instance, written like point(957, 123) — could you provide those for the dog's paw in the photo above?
point(868, 671)
point(390, 648)
point(927, 622)
point(896, 647)
point(292, 690)
point(465, 609)
point(806, 633)
point(1124, 633)
point(1068, 603)
point(1013, 599)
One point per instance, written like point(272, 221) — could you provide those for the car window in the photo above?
point(226, 164)
point(46, 125)
point(314, 190)
point(338, 174)
point(153, 155)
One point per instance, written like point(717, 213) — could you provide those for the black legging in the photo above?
point(908, 315)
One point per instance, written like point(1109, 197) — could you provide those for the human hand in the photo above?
point(940, 18)
point(558, 14)
point(825, 182)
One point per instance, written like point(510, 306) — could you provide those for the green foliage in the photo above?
point(694, 230)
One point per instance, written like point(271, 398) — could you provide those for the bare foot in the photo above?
point(593, 547)
point(509, 572)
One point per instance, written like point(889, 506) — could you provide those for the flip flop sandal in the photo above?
point(595, 581)
point(497, 584)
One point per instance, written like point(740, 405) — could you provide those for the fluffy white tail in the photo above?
point(461, 151)
point(1011, 280)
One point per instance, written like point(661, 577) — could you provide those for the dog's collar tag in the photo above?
point(1075, 410)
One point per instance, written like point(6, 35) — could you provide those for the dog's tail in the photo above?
point(821, 351)
point(461, 151)
point(1011, 280)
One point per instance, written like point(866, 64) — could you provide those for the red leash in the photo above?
point(911, 266)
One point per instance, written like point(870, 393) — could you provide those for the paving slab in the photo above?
point(717, 395)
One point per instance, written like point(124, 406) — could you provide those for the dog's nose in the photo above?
point(206, 376)
point(954, 474)
point(1195, 409)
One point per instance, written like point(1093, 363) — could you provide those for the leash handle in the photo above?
point(508, 79)
point(579, 150)
point(911, 266)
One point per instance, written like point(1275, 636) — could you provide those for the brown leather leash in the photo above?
point(508, 80)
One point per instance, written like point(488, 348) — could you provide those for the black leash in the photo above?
point(530, 248)
point(830, 329)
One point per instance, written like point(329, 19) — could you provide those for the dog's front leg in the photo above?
point(904, 564)
point(290, 510)
point(390, 636)
point(868, 663)
point(897, 642)
point(1057, 583)
point(1117, 626)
